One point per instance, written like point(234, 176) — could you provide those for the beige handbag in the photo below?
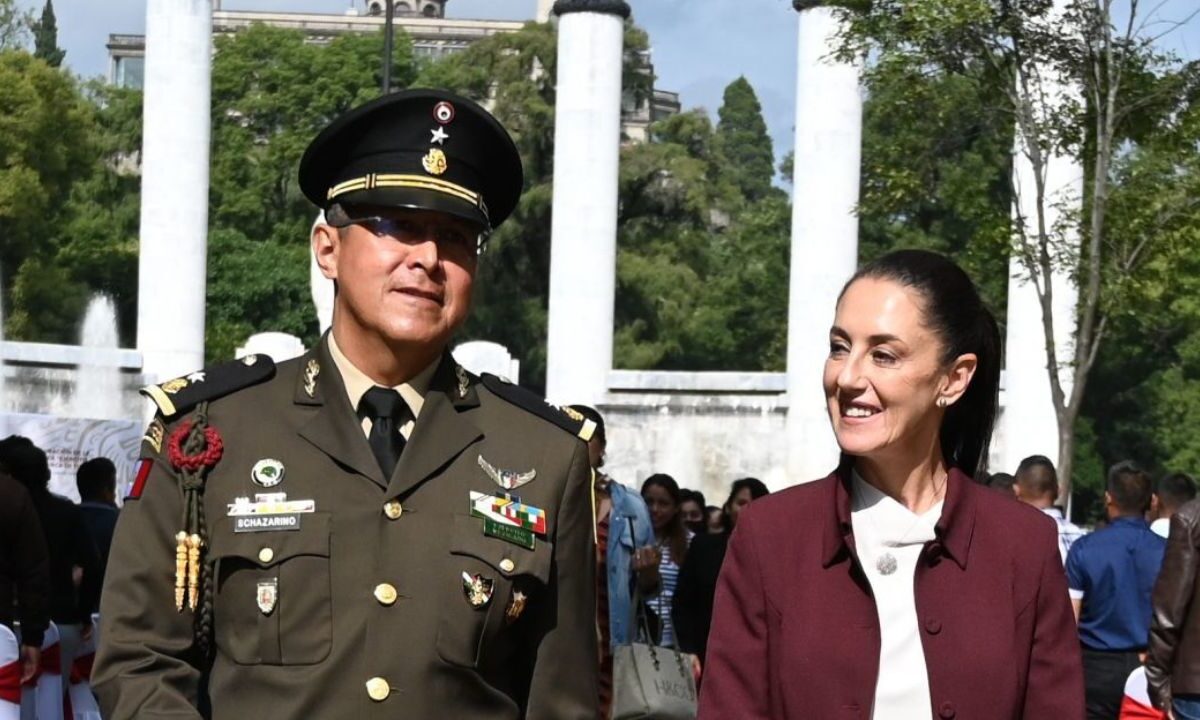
point(651, 682)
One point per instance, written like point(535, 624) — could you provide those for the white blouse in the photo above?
point(889, 538)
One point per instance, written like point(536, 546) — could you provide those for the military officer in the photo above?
point(367, 531)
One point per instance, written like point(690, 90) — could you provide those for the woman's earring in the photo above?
point(942, 402)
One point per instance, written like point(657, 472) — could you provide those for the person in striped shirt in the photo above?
point(662, 496)
point(1036, 484)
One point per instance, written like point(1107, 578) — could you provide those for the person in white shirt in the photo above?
point(1036, 484)
point(1170, 492)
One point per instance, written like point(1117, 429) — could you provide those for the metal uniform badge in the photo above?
point(464, 381)
point(478, 589)
point(435, 162)
point(311, 371)
point(267, 472)
point(268, 595)
point(196, 377)
point(439, 135)
point(516, 606)
point(507, 479)
point(173, 386)
point(154, 435)
point(443, 113)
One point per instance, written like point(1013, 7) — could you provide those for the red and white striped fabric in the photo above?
point(1135, 705)
point(42, 697)
point(10, 675)
point(82, 702)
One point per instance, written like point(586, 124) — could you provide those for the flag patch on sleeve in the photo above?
point(139, 481)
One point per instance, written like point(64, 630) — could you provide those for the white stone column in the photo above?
point(583, 252)
point(824, 230)
point(174, 213)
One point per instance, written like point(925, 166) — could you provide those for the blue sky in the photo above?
point(699, 46)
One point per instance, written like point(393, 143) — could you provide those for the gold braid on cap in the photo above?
point(418, 182)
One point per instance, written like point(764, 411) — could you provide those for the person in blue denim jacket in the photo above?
point(624, 550)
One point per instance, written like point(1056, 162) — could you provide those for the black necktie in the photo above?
point(387, 411)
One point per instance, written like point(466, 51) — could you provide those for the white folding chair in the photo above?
point(10, 675)
point(83, 702)
point(45, 700)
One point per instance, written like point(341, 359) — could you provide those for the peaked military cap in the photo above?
point(427, 149)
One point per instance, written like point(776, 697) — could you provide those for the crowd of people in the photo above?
point(53, 551)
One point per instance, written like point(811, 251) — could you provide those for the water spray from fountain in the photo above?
point(98, 389)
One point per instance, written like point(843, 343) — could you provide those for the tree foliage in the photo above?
point(45, 37)
point(46, 147)
point(743, 140)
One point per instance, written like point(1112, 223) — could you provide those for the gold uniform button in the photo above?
point(507, 565)
point(378, 689)
point(393, 509)
point(266, 555)
point(385, 593)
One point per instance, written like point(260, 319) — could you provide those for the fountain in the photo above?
point(75, 402)
point(97, 391)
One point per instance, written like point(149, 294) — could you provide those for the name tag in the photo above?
point(266, 523)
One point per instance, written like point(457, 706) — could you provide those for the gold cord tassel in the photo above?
point(193, 562)
point(181, 555)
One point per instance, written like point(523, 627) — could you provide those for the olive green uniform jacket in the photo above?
point(337, 643)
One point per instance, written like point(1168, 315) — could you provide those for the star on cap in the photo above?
point(439, 135)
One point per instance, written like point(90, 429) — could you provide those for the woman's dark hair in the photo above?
point(757, 489)
point(955, 313)
point(594, 415)
point(676, 532)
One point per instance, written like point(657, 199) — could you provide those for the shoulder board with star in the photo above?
point(177, 396)
point(565, 418)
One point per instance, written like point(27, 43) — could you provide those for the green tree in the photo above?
point(45, 37)
point(702, 269)
point(936, 161)
point(46, 145)
point(97, 236)
point(743, 140)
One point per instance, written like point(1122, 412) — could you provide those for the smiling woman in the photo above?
point(897, 586)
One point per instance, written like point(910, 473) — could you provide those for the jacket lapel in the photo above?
point(442, 431)
point(334, 427)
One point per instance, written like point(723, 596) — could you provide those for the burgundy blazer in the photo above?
point(796, 633)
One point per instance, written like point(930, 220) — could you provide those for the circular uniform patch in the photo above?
point(443, 112)
point(267, 472)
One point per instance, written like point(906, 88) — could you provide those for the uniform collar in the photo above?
point(952, 532)
point(443, 431)
point(357, 383)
